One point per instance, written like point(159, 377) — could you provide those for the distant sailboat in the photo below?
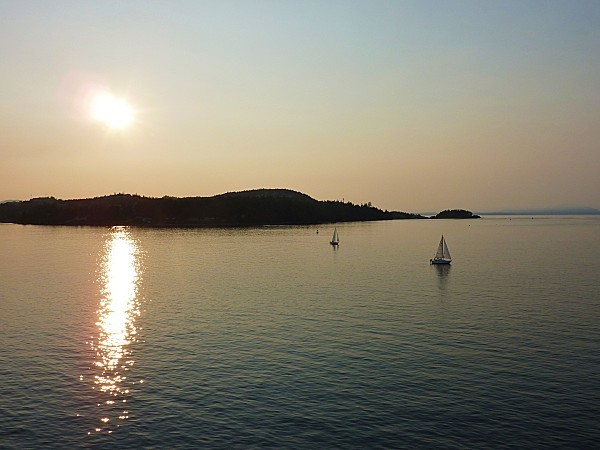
point(443, 254)
point(335, 240)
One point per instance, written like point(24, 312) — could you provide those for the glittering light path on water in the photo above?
point(119, 280)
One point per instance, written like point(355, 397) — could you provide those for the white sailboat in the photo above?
point(443, 254)
point(335, 240)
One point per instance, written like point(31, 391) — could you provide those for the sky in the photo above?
point(410, 105)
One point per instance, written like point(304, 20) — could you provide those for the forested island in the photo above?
point(245, 208)
point(455, 214)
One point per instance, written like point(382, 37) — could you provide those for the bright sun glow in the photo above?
point(112, 111)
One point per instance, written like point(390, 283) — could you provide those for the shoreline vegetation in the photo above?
point(236, 209)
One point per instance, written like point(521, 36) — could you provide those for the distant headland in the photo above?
point(244, 208)
point(558, 211)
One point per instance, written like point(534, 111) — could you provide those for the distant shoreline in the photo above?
point(545, 212)
point(234, 209)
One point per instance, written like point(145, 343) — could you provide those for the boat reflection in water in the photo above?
point(119, 279)
point(443, 272)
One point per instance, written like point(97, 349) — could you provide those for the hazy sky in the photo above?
point(411, 105)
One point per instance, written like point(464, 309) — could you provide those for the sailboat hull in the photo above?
point(440, 261)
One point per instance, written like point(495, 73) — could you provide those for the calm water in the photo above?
point(268, 337)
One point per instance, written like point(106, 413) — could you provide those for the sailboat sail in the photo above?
point(440, 251)
point(446, 251)
point(335, 239)
point(442, 256)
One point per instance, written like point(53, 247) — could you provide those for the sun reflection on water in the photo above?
point(119, 278)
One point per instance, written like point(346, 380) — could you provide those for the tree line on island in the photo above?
point(245, 208)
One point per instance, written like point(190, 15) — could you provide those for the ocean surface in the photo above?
point(270, 338)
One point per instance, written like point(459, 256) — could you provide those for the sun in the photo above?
point(112, 111)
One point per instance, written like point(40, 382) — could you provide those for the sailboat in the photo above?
point(443, 254)
point(335, 240)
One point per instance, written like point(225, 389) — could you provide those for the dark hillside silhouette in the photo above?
point(246, 208)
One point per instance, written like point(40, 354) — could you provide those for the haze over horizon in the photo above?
point(413, 105)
